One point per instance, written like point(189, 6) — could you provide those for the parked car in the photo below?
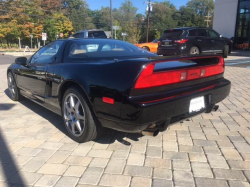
point(117, 85)
point(193, 40)
point(94, 33)
point(151, 46)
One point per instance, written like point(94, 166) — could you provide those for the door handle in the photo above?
point(212, 41)
point(199, 40)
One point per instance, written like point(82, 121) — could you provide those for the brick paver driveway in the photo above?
point(209, 150)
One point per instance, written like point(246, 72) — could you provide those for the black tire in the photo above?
point(91, 128)
point(14, 91)
point(146, 48)
point(226, 51)
point(194, 51)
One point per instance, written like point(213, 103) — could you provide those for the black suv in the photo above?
point(94, 33)
point(193, 40)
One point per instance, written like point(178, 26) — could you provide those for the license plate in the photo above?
point(197, 104)
point(166, 43)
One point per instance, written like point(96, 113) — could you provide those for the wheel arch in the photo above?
point(71, 83)
point(146, 47)
point(9, 70)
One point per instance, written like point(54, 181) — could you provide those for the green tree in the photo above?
point(201, 7)
point(126, 16)
point(101, 18)
point(161, 18)
point(77, 11)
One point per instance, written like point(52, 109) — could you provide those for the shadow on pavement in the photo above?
point(6, 106)
point(9, 167)
point(57, 121)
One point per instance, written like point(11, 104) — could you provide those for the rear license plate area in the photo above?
point(197, 104)
point(167, 43)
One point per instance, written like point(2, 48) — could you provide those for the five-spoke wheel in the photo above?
point(78, 119)
point(74, 114)
point(13, 90)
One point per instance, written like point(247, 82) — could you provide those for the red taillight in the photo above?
point(182, 41)
point(148, 78)
point(108, 100)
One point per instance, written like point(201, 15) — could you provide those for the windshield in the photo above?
point(78, 50)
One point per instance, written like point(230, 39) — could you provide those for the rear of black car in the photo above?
point(171, 90)
point(173, 42)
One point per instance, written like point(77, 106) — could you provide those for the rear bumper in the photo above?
point(174, 51)
point(137, 115)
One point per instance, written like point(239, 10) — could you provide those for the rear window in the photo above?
point(97, 34)
point(171, 33)
point(84, 50)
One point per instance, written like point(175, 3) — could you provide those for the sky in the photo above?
point(97, 4)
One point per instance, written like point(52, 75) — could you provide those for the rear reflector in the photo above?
point(108, 100)
point(182, 41)
point(148, 78)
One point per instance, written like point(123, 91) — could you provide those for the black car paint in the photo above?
point(45, 83)
point(206, 45)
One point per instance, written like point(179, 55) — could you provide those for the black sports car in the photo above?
point(95, 83)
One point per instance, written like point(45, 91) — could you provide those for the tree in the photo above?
point(102, 18)
point(201, 7)
point(161, 18)
point(126, 16)
point(186, 17)
point(77, 11)
point(57, 24)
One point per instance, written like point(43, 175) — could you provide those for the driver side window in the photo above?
point(47, 53)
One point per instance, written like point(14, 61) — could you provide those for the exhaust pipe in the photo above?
point(216, 107)
point(150, 133)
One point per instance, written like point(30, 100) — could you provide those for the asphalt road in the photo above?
point(236, 61)
point(7, 59)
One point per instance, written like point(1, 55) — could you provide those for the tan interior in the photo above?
point(79, 51)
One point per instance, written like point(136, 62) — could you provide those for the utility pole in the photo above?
point(149, 9)
point(111, 17)
point(208, 19)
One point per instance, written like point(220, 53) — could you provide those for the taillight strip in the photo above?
point(148, 78)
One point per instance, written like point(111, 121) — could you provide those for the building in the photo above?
point(232, 19)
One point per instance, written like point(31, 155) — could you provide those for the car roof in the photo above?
point(89, 30)
point(94, 39)
point(187, 28)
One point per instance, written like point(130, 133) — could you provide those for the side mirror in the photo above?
point(220, 36)
point(21, 61)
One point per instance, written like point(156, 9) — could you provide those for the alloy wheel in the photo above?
point(74, 115)
point(11, 85)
